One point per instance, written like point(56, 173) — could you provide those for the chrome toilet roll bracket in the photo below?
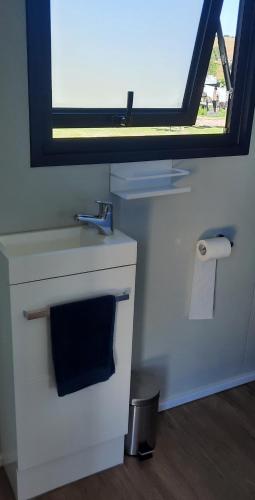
point(202, 249)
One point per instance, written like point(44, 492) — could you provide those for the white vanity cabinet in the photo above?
point(47, 440)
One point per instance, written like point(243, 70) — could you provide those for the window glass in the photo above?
point(214, 103)
point(229, 15)
point(103, 49)
point(215, 98)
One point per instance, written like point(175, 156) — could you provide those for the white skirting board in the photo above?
point(208, 390)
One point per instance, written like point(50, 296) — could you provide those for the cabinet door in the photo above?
point(49, 427)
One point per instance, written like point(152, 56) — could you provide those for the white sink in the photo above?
point(59, 252)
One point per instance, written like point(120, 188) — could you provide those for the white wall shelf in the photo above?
point(146, 179)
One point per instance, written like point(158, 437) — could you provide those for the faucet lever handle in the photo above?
point(104, 206)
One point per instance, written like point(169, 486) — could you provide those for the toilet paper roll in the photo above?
point(203, 287)
point(214, 248)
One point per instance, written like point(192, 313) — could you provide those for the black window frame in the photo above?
point(46, 151)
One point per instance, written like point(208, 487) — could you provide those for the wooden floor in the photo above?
point(205, 451)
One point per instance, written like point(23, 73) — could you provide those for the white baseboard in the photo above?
point(208, 390)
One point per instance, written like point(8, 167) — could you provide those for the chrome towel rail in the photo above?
point(45, 312)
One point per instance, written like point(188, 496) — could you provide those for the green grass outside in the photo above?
point(133, 132)
point(222, 113)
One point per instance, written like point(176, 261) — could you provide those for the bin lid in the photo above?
point(144, 387)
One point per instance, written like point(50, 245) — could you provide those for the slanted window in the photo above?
point(128, 81)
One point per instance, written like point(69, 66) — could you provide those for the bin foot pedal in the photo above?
point(145, 451)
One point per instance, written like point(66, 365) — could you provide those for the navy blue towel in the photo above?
point(82, 343)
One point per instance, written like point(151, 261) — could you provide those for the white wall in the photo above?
point(190, 354)
point(186, 354)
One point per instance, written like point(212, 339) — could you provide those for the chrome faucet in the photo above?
point(103, 221)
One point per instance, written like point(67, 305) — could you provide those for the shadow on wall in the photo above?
point(228, 231)
point(159, 368)
point(140, 212)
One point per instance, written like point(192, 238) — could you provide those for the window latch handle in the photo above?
point(125, 120)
